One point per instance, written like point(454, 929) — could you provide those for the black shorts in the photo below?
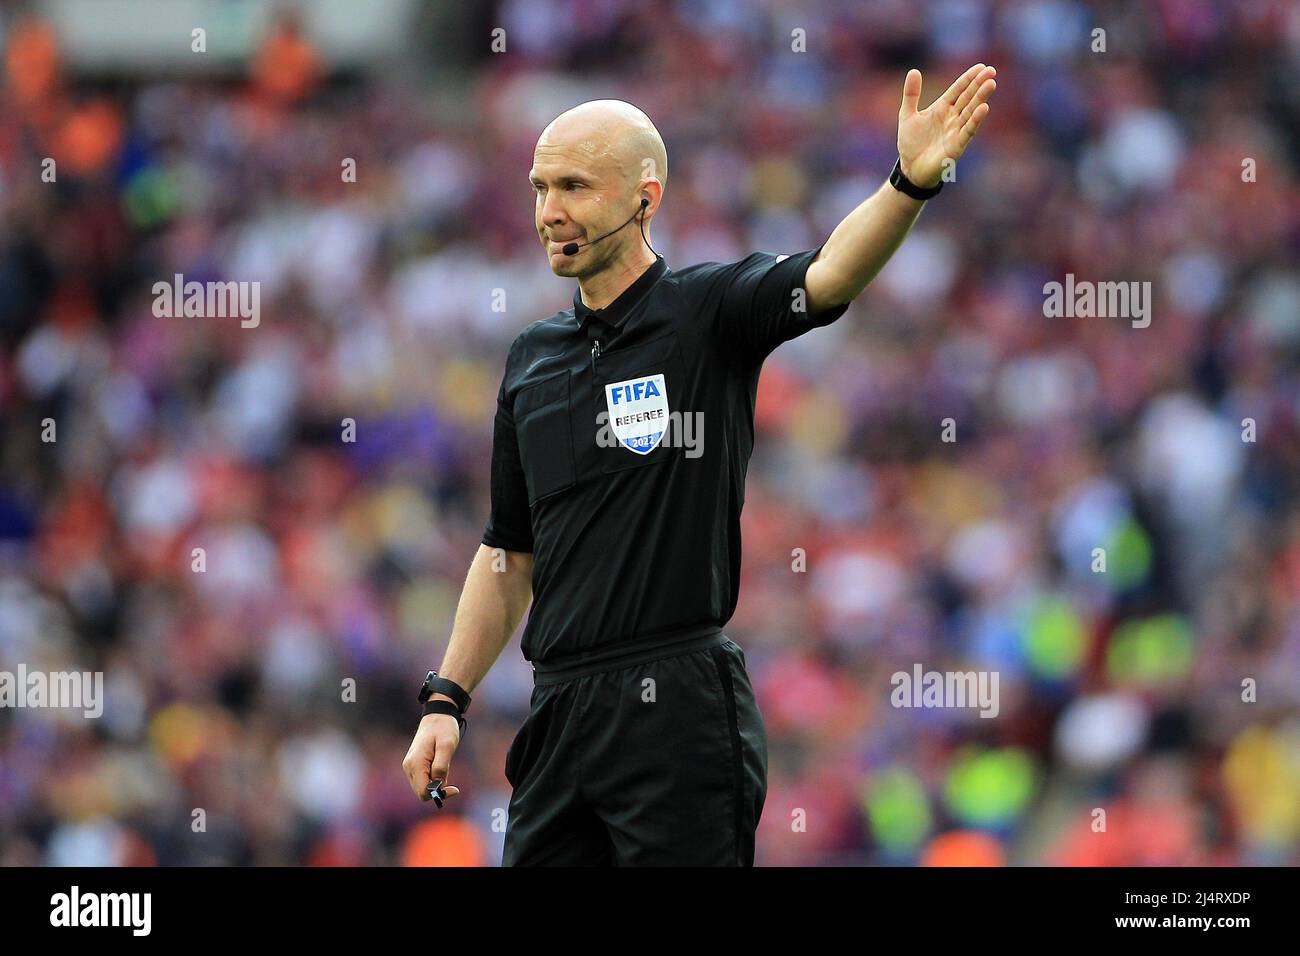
point(656, 758)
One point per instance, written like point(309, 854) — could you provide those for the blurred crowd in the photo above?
point(264, 595)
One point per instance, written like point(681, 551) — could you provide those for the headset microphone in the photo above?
point(572, 248)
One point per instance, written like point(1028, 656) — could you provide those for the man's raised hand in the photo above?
point(943, 130)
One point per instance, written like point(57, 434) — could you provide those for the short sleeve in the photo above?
point(509, 523)
point(760, 308)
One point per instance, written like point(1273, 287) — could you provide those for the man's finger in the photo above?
point(985, 91)
point(442, 758)
point(418, 775)
point(984, 75)
point(959, 85)
point(972, 124)
point(911, 93)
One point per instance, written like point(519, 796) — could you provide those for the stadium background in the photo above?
point(329, 560)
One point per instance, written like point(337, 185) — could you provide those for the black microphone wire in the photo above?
point(572, 248)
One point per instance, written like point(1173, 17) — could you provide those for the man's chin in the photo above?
point(567, 267)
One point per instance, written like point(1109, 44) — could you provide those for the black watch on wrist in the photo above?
point(433, 684)
point(909, 188)
point(444, 707)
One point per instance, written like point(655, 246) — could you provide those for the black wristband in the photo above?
point(444, 707)
point(909, 188)
point(433, 684)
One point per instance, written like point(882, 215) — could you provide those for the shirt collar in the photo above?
point(614, 313)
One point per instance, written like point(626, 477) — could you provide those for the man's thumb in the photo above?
point(911, 93)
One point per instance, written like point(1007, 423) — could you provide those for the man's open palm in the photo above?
point(943, 129)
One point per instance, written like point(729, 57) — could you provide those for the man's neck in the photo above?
point(603, 288)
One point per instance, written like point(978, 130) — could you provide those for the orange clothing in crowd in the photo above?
point(287, 67)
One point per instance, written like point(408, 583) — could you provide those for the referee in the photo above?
point(623, 430)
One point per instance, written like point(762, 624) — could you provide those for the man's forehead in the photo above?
point(560, 163)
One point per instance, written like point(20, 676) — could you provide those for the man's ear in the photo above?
point(650, 189)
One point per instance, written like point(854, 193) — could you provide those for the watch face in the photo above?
point(425, 689)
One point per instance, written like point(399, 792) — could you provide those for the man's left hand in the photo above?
point(943, 130)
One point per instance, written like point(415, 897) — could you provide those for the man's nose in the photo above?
point(553, 213)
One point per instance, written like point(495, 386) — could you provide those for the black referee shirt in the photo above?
point(633, 533)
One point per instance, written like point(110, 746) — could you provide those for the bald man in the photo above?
point(623, 430)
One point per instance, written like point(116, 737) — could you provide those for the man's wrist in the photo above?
point(446, 708)
point(912, 176)
point(436, 685)
point(901, 181)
